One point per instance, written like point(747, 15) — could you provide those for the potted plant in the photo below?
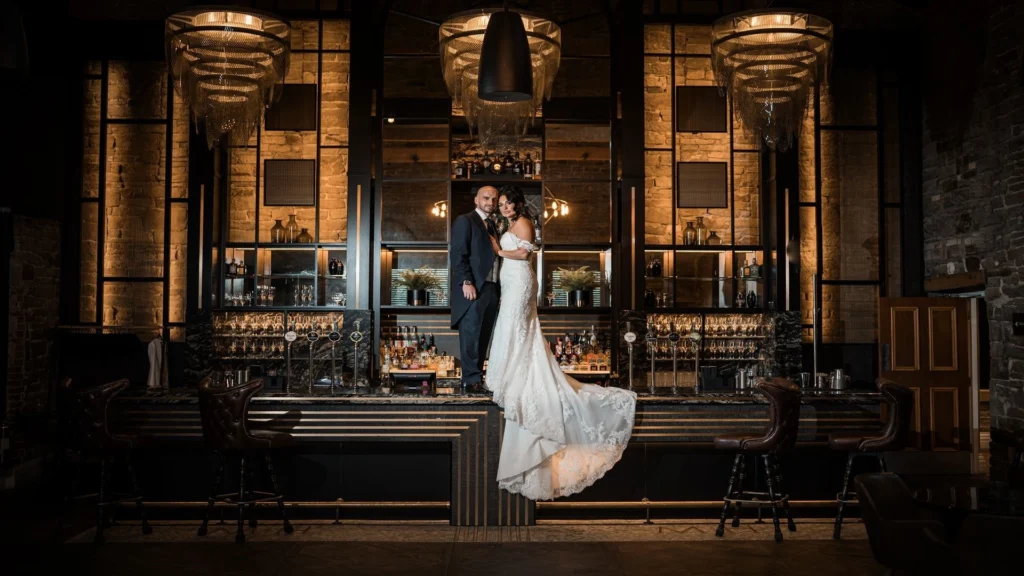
point(578, 284)
point(417, 283)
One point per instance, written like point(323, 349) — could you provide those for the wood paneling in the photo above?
point(945, 419)
point(942, 335)
point(906, 338)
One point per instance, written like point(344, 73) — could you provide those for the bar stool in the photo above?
point(224, 413)
point(784, 421)
point(91, 411)
point(893, 438)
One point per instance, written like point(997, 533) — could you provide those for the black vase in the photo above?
point(579, 298)
point(417, 297)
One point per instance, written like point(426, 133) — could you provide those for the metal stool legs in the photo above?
point(213, 499)
point(728, 497)
point(845, 497)
point(247, 499)
point(737, 495)
point(280, 503)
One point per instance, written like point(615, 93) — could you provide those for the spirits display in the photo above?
point(528, 167)
point(586, 352)
point(403, 348)
point(536, 168)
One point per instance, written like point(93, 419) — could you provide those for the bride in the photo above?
point(561, 436)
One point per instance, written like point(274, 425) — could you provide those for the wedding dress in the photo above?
point(560, 436)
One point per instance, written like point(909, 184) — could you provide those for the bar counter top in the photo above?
point(685, 396)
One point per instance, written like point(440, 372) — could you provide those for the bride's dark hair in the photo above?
point(516, 196)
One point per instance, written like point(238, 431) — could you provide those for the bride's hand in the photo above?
point(495, 246)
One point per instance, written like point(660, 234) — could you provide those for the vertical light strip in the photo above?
point(632, 246)
point(359, 235)
point(202, 209)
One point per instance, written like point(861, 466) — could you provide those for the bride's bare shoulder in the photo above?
point(523, 228)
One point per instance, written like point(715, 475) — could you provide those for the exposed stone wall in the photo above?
point(35, 282)
point(974, 202)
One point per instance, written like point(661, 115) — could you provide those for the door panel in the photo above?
point(936, 329)
point(906, 349)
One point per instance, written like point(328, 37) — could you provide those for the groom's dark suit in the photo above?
point(472, 259)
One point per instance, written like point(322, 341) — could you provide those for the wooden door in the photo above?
point(925, 346)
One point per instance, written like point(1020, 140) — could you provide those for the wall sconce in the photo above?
point(440, 209)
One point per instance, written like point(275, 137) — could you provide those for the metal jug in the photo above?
point(821, 380)
point(839, 380)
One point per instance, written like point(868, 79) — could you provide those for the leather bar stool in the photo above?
point(224, 413)
point(96, 443)
point(893, 438)
point(784, 422)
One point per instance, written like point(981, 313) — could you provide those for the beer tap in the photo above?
point(356, 337)
point(652, 345)
point(673, 338)
point(312, 336)
point(334, 337)
point(630, 338)
point(290, 337)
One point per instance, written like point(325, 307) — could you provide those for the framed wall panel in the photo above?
point(702, 184)
point(289, 183)
point(701, 109)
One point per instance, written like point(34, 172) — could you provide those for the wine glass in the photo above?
point(550, 298)
point(337, 298)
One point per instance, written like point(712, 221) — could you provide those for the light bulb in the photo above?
point(554, 205)
point(545, 214)
point(565, 209)
point(391, 120)
point(435, 211)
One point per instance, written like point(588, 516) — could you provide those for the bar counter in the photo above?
point(442, 451)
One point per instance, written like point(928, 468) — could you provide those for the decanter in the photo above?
point(690, 235)
point(702, 232)
point(291, 230)
point(277, 233)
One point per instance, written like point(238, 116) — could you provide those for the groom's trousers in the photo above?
point(475, 332)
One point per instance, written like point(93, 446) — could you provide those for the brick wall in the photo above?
point(35, 279)
point(974, 198)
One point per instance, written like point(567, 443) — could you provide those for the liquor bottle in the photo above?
point(528, 167)
point(563, 364)
point(740, 300)
point(497, 165)
point(751, 299)
point(485, 164)
point(746, 268)
point(240, 270)
point(455, 167)
point(474, 167)
point(341, 267)
point(517, 166)
point(232, 268)
point(536, 168)
point(650, 300)
point(593, 338)
point(332, 267)
point(558, 346)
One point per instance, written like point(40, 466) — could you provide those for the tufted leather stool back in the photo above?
point(224, 412)
point(900, 403)
point(783, 414)
point(91, 411)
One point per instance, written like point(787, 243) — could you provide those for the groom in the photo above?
point(475, 290)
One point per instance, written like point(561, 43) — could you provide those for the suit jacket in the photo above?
point(472, 258)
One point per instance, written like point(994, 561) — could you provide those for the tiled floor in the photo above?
point(622, 549)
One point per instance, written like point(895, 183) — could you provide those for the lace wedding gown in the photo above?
point(561, 436)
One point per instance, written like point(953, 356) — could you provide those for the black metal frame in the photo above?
point(764, 247)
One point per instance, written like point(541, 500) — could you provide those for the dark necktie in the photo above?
point(491, 229)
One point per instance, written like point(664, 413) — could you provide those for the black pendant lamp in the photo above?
point(506, 70)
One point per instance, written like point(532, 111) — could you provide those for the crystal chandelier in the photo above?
point(768, 60)
point(498, 124)
point(229, 66)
